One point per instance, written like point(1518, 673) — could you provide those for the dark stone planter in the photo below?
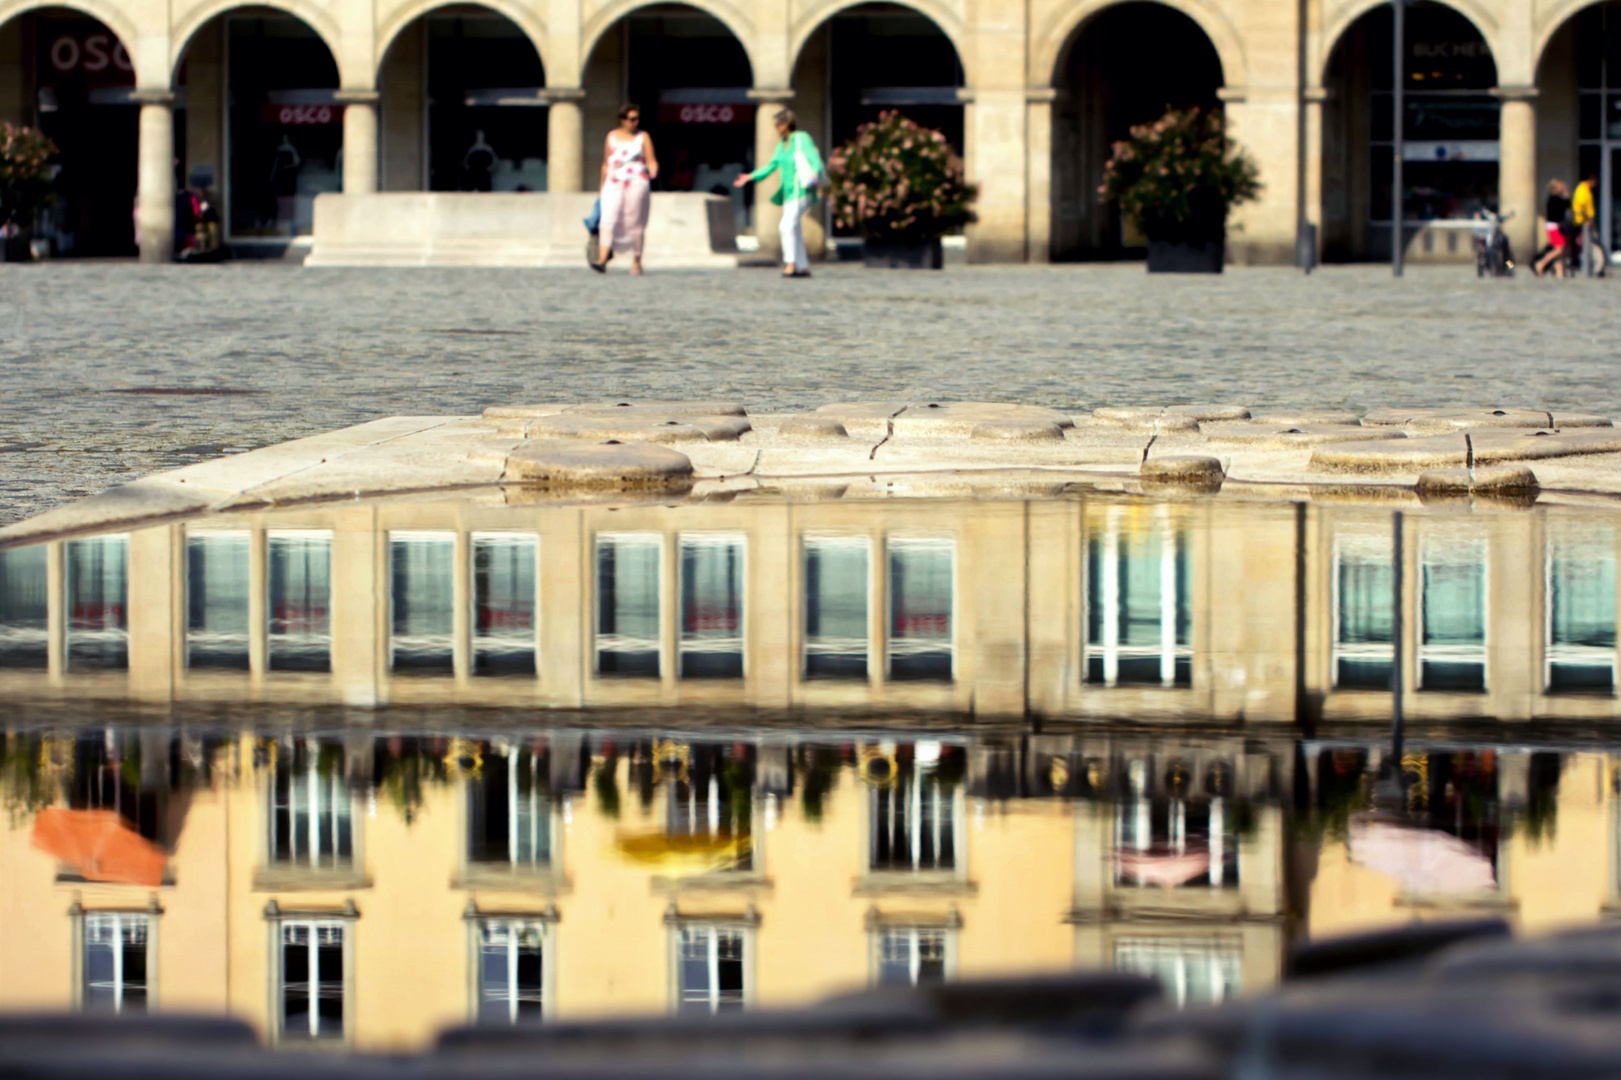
point(1185, 257)
point(888, 255)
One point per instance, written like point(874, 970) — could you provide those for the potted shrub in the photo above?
point(1176, 179)
point(901, 188)
point(27, 180)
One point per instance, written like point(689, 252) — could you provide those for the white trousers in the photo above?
point(792, 233)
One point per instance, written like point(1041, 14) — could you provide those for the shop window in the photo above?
point(422, 602)
point(1139, 626)
point(1168, 841)
point(24, 607)
point(116, 962)
point(628, 580)
point(910, 956)
point(217, 588)
point(1363, 646)
point(508, 813)
point(311, 980)
point(510, 967)
point(711, 969)
point(1452, 615)
point(98, 598)
point(299, 564)
point(711, 607)
point(836, 607)
point(1579, 653)
point(486, 119)
point(921, 593)
point(914, 826)
point(1192, 971)
point(311, 820)
point(504, 604)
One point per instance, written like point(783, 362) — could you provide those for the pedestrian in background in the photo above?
point(799, 168)
point(1585, 209)
point(1557, 207)
point(629, 167)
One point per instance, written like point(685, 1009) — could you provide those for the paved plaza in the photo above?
point(112, 371)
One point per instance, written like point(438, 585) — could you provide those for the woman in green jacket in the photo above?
point(800, 169)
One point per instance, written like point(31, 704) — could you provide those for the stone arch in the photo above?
point(1061, 31)
point(728, 14)
point(303, 10)
point(1550, 23)
point(521, 15)
point(937, 12)
point(109, 15)
point(1477, 14)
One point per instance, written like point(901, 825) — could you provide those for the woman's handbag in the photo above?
point(810, 177)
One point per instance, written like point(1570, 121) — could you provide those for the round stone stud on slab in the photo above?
point(811, 427)
point(1490, 480)
point(1190, 470)
point(1210, 412)
point(1017, 431)
point(599, 466)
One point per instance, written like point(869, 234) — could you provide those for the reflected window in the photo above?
point(710, 970)
point(422, 601)
point(1364, 646)
point(508, 813)
point(1139, 626)
point(710, 809)
point(921, 591)
point(1192, 971)
point(504, 604)
point(299, 565)
point(311, 979)
point(217, 590)
point(98, 598)
point(628, 576)
point(911, 956)
point(511, 965)
point(836, 607)
point(115, 962)
point(914, 825)
point(311, 820)
point(24, 607)
point(711, 607)
point(1169, 842)
point(1452, 615)
point(1580, 582)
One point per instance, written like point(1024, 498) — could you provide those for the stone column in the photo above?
point(1311, 163)
point(767, 215)
point(155, 190)
point(994, 157)
point(565, 141)
point(1038, 149)
point(1517, 167)
point(359, 141)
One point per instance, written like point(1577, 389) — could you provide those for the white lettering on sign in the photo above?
point(1445, 50)
point(706, 114)
point(96, 53)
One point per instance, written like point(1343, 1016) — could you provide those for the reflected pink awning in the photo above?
point(1423, 860)
point(1167, 869)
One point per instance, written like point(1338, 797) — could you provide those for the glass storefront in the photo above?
point(486, 118)
point(1598, 67)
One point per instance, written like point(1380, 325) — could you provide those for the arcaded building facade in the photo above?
point(265, 106)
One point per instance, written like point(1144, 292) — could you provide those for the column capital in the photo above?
point(1232, 95)
point(1316, 95)
point(356, 97)
point(153, 97)
point(772, 95)
point(1041, 95)
point(555, 94)
point(1515, 93)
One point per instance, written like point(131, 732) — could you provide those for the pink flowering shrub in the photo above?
point(1178, 177)
point(900, 182)
point(26, 175)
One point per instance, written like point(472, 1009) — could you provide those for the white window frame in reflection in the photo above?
point(206, 644)
point(1565, 546)
point(700, 809)
point(918, 803)
point(1439, 550)
point(826, 651)
point(25, 605)
point(617, 643)
point(533, 832)
point(503, 936)
point(117, 933)
point(926, 647)
point(701, 942)
point(893, 946)
point(431, 553)
point(326, 806)
point(106, 637)
point(1173, 959)
point(1134, 831)
point(316, 988)
point(494, 649)
point(304, 647)
point(1174, 646)
point(1357, 549)
point(725, 649)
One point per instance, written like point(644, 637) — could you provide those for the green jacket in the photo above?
point(783, 161)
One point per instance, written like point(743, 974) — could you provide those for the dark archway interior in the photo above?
point(887, 57)
point(486, 127)
point(1451, 120)
point(1126, 66)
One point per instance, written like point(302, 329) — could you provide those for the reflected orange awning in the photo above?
point(100, 846)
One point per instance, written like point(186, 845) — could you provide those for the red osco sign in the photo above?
point(97, 57)
point(301, 115)
point(700, 113)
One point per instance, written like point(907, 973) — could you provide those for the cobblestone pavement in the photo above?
point(265, 352)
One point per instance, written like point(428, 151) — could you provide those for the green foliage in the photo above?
point(1178, 177)
point(27, 178)
point(606, 782)
point(24, 780)
point(899, 182)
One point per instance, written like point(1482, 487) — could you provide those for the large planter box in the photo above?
point(1184, 257)
point(885, 255)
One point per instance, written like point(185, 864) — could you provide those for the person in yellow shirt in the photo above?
point(1584, 207)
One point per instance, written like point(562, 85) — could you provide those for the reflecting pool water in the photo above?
point(359, 772)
